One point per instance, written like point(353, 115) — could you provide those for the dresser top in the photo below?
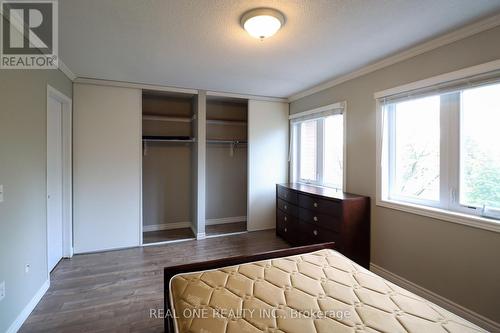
point(321, 191)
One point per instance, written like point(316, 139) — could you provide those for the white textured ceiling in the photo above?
point(200, 44)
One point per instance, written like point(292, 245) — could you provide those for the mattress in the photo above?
point(321, 291)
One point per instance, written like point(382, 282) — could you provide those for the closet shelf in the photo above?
point(167, 118)
point(226, 122)
point(189, 120)
point(167, 139)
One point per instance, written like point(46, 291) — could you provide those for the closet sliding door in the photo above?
point(107, 167)
point(267, 160)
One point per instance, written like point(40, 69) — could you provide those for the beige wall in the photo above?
point(455, 261)
point(23, 225)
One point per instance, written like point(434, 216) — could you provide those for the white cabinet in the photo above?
point(267, 160)
point(107, 167)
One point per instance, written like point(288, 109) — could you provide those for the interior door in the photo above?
point(54, 183)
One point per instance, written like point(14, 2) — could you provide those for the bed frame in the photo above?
point(170, 272)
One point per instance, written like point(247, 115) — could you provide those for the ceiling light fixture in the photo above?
point(262, 22)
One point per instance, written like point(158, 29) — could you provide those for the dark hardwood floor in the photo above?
point(186, 233)
point(226, 228)
point(114, 291)
point(166, 235)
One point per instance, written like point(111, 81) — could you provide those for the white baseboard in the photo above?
point(21, 318)
point(168, 242)
point(166, 226)
point(228, 234)
point(178, 225)
point(197, 235)
point(225, 220)
point(443, 302)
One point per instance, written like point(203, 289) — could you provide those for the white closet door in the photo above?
point(107, 167)
point(267, 160)
point(54, 183)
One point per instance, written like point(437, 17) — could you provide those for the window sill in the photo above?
point(443, 215)
point(320, 186)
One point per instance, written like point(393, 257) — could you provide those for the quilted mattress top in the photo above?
point(322, 291)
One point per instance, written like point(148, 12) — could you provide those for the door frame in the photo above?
point(67, 166)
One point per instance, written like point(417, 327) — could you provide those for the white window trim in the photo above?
point(337, 105)
point(433, 212)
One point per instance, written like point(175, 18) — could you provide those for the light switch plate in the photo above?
point(2, 290)
point(1, 193)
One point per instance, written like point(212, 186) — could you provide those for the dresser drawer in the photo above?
point(329, 207)
point(288, 195)
point(280, 228)
point(314, 234)
point(322, 220)
point(287, 228)
point(287, 207)
point(282, 216)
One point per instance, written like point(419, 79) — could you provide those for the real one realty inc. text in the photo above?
point(208, 312)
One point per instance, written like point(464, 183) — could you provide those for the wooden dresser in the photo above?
point(308, 214)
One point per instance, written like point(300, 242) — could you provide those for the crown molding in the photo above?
point(65, 69)
point(467, 31)
point(143, 86)
point(245, 96)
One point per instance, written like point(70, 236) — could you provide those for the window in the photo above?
point(442, 149)
point(480, 148)
point(308, 169)
point(415, 150)
point(318, 147)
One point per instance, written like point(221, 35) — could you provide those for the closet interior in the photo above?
point(226, 165)
point(168, 159)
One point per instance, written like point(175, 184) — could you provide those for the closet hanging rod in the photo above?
point(228, 141)
point(162, 140)
point(168, 118)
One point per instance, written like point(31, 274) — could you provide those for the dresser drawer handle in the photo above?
point(315, 205)
point(315, 232)
point(315, 219)
point(285, 218)
point(286, 229)
point(285, 207)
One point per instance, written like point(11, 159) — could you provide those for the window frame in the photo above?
point(449, 208)
point(320, 134)
point(294, 156)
